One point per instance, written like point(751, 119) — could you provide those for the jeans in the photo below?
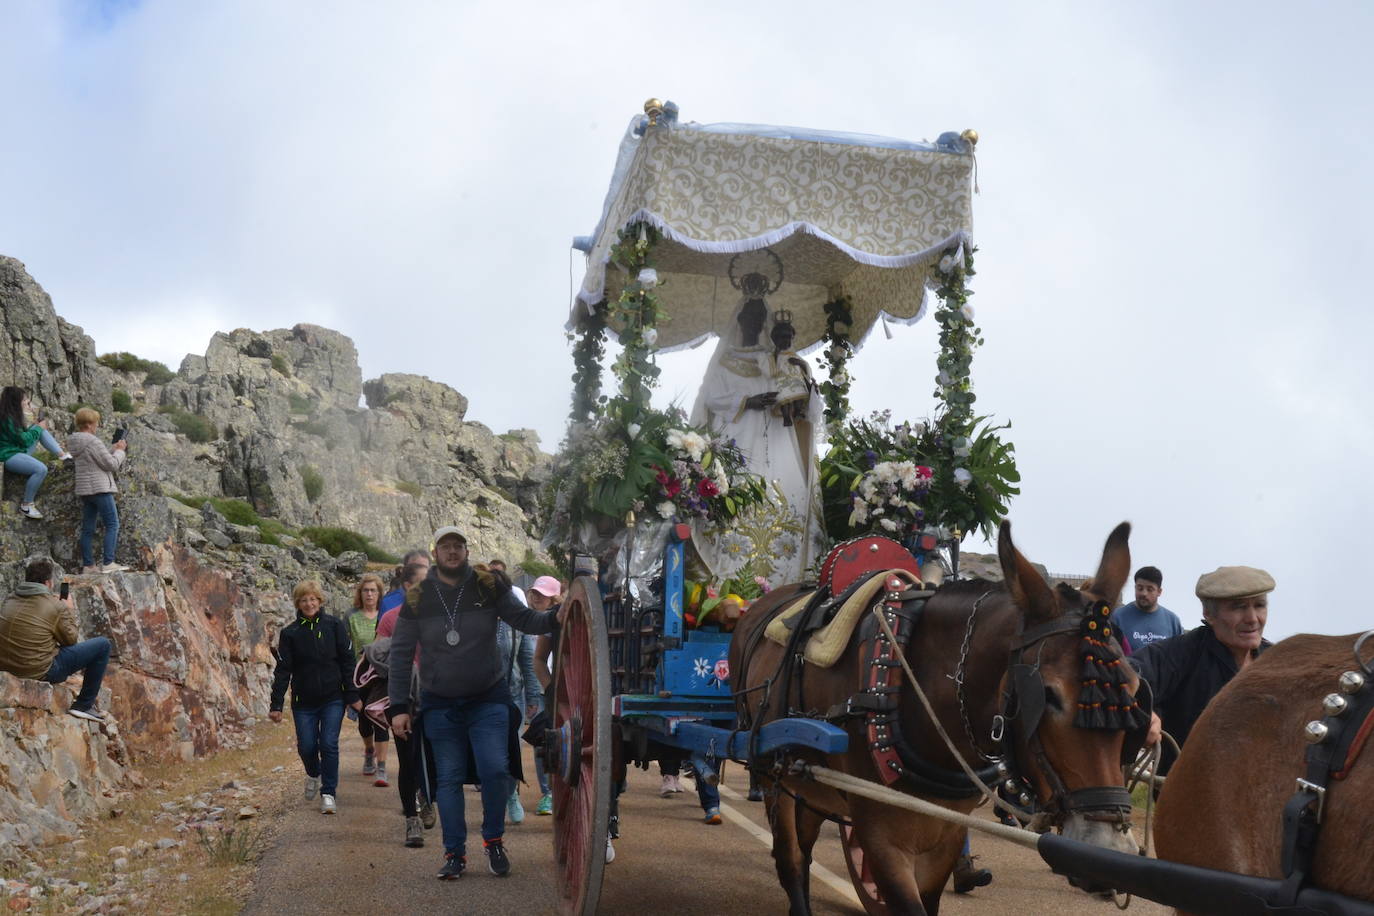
point(25, 465)
point(90, 656)
point(99, 506)
point(451, 727)
point(708, 796)
point(317, 741)
point(540, 774)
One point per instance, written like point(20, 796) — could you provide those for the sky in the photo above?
point(1170, 226)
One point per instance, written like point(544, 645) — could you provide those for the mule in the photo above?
point(969, 634)
point(1222, 804)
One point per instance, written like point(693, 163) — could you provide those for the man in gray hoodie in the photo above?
point(38, 639)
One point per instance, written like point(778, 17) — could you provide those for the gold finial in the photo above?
point(969, 136)
point(654, 109)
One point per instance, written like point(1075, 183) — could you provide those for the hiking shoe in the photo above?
point(113, 568)
point(454, 866)
point(967, 876)
point(369, 764)
point(497, 860)
point(91, 714)
point(415, 833)
point(712, 817)
point(515, 812)
point(312, 787)
point(545, 807)
point(327, 805)
point(30, 511)
point(380, 782)
point(610, 851)
point(428, 817)
point(666, 789)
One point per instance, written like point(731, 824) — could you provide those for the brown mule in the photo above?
point(969, 633)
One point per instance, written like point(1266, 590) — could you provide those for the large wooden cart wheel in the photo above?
point(860, 874)
point(579, 749)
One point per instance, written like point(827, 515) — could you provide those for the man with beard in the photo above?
point(465, 698)
point(1145, 620)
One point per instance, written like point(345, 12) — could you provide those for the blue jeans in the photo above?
point(708, 796)
point(25, 465)
point(99, 506)
point(450, 727)
point(317, 741)
point(90, 656)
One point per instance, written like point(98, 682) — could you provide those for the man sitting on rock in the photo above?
point(39, 639)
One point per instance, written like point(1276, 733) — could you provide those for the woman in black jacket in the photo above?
point(315, 656)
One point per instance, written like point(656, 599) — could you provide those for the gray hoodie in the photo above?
point(95, 464)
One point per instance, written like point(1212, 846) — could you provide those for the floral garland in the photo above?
point(959, 337)
point(839, 318)
point(637, 313)
point(589, 345)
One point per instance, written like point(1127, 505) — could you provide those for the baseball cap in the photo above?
point(447, 531)
point(547, 586)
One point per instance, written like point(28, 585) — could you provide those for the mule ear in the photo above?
point(1115, 568)
point(1029, 590)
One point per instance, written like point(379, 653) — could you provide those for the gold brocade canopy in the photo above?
point(844, 214)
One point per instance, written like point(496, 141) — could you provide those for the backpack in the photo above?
point(370, 676)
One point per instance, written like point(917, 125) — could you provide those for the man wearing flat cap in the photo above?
point(1186, 671)
point(451, 616)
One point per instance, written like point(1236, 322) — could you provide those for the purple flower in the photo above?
point(872, 457)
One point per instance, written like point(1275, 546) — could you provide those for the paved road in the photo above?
point(667, 862)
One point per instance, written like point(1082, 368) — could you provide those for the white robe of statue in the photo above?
point(782, 539)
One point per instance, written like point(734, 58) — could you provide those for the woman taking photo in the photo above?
point(315, 659)
point(19, 439)
point(362, 629)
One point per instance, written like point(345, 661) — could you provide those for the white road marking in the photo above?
point(834, 881)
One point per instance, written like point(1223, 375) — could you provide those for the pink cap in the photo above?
point(547, 586)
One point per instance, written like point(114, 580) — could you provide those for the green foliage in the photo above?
point(409, 486)
point(335, 541)
point(636, 313)
point(314, 428)
point(120, 400)
point(589, 345)
point(240, 512)
point(191, 425)
point(154, 372)
point(484, 513)
point(839, 319)
point(300, 404)
point(313, 482)
point(280, 363)
point(536, 567)
point(231, 845)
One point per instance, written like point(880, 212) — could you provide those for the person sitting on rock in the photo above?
point(96, 488)
point(39, 639)
point(19, 440)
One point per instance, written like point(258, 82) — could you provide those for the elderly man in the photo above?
point(1185, 672)
point(465, 698)
point(39, 640)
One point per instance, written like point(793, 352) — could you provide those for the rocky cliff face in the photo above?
point(283, 429)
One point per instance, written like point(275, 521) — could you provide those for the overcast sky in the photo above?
point(1173, 218)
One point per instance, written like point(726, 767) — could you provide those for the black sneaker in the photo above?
point(454, 866)
point(497, 860)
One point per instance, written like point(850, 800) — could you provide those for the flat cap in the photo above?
point(449, 531)
point(1234, 582)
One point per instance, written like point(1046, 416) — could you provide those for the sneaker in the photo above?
point(677, 784)
point(610, 851)
point(454, 866)
point(113, 568)
point(515, 812)
point(666, 789)
point(415, 833)
point(91, 714)
point(30, 511)
point(90, 570)
point(712, 817)
point(312, 787)
point(428, 816)
point(545, 806)
point(327, 805)
point(756, 794)
point(67, 458)
point(967, 876)
point(497, 860)
point(369, 764)
point(380, 780)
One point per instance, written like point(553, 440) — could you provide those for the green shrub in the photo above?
point(335, 541)
point(154, 372)
point(313, 481)
point(314, 428)
point(409, 486)
point(281, 365)
point(191, 425)
point(240, 512)
point(484, 513)
point(300, 404)
point(536, 567)
point(120, 400)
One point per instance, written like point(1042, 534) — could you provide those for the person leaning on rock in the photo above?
point(39, 639)
point(1185, 672)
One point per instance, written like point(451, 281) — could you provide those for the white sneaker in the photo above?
point(666, 789)
point(30, 511)
point(113, 568)
point(312, 787)
point(327, 805)
point(610, 851)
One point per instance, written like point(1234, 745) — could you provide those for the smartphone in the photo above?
point(120, 434)
point(64, 590)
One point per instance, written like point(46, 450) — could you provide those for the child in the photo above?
point(95, 486)
point(19, 440)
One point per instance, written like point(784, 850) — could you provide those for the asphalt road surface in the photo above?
point(667, 862)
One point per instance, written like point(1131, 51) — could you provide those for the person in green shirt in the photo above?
point(362, 627)
point(19, 439)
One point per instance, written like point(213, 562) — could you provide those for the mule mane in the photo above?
point(965, 586)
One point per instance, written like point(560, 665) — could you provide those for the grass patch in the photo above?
point(313, 481)
point(300, 404)
point(191, 425)
point(120, 401)
point(154, 372)
point(335, 541)
point(230, 844)
point(536, 567)
point(314, 428)
point(241, 512)
point(484, 513)
point(409, 486)
point(281, 365)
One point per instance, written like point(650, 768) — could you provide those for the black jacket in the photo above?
point(315, 656)
point(1184, 673)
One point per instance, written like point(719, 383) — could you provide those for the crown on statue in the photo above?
point(782, 316)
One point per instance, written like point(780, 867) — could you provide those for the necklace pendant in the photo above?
point(451, 637)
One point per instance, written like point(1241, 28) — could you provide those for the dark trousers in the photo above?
point(408, 752)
